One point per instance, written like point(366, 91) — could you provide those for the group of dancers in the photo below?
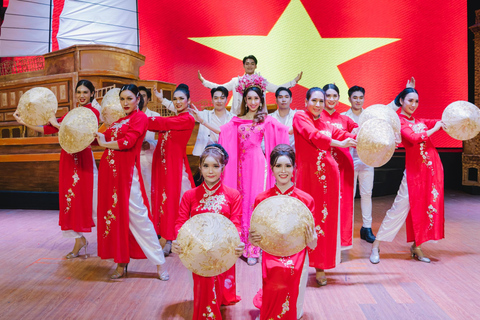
point(145, 188)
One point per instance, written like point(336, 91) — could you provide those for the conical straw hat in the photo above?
point(208, 241)
point(37, 106)
point(380, 111)
point(77, 130)
point(281, 221)
point(375, 142)
point(111, 108)
point(462, 119)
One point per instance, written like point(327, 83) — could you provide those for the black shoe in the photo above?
point(367, 235)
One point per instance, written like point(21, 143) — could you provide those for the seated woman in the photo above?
point(212, 196)
point(283, 285)
point(124, 228)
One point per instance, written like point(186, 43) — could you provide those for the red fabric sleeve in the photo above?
point(430, 123)
point(184, 210)
point(340, 135)
point(350, 123)
point(176, 123)
point(303, 124)
point(410, 136)
point(236, 211)
point(137, 127)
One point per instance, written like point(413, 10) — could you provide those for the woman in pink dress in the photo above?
point(318, 175)
point(419, 200)
point(125, 229)
point(247, 170)
point(77, 185)
point(209, 293)
point(284, 278)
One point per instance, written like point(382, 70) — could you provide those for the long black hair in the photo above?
point(89, 86)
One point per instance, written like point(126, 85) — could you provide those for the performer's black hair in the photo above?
point(277, 93)
point(250, 57)
point(282, 150)
point(331, 86)
point(355, 88)
point(183, 88)
point(220, 88)
point(312, 90)
point(403, 94)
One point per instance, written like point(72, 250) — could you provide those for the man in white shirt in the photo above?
point(249, 65)
point(212, 118)
point(149, 144)
point(364, 173)
point(284, 114)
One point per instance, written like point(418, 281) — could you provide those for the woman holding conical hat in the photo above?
point(242, 137)
point(284, 278)
point(125, 229)
point(171, 175)
point(209, 293)
point(318, 175)
point(419, 200)
point(77, 178)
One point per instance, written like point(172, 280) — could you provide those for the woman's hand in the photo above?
point(311, 237)
point(398, 137)
point(17, 117)
point(53, 121)
point(176, 248)
point(299, 76)
point(411, 83)
point(239, 249)
point(438, 125)
point(202, 80)
point(349, 142)
point(195, 113)
point(254, 238)
point(159, 95)
point(100, 138)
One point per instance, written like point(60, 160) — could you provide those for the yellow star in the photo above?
point(293, 45)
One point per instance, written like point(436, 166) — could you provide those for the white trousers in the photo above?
point(141, 226)
point(396, 215)
point(146, 165)
point(365, 179)
point(303, 287)
point(74, 234)
point(186, 184)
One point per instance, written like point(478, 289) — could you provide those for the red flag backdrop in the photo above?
point(431, 46)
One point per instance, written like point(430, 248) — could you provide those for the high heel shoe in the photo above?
point(375, 255)
point(118, 275)
point(72, 255)
point(418, 254)
point(168, 248)
point(321, 278)
point(162, 274)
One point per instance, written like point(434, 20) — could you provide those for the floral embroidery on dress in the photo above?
point(209, 314)
point(213, 203)
point(70, 194)
point(337, 125)
point(125, 142)
point(326, 132)
point(322, 178)
point(288, 263)
point(110, 216)
point(431, 211)
point(164, 199)
point(163, 158)
point(285, 307)
point(420, 127)
point(434, 193)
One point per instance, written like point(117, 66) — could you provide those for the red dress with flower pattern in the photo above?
point(318, 175)
point(209, 293)
point(169, 159)
point(115, 174)
point(75, 185)
point(281, 275)
point(425, 221)
point(347, 174)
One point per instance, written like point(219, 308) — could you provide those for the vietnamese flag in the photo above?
point(378, 45)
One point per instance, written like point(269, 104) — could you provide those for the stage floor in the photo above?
point(36, 282)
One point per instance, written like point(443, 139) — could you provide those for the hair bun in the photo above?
point(182, 86)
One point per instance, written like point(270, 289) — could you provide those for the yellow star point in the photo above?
point(293, 45)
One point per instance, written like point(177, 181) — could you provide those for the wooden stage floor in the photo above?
point(37, 283)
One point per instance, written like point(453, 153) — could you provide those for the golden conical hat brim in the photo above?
point(111, 108)
point(208, 241)
point(281, 221)
point(37, 106)
point(375, 142)
point(462, 119)
point(77, 130)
